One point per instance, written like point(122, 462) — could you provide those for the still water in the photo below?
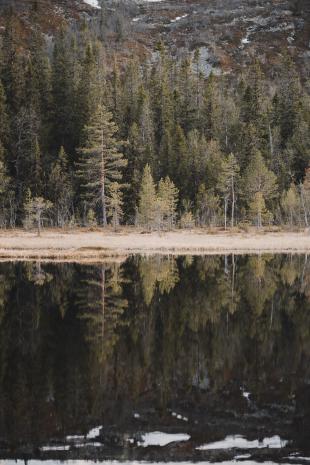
point(157, 359)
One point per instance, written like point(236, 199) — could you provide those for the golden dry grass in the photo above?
point(85, 245)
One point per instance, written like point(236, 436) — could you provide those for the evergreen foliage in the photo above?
point(235, 149)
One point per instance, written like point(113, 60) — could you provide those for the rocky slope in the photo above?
point(229, 33)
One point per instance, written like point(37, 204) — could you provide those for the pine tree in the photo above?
point(259, 186)
point(88, 90)
point(60, 189)
point(37, 186)
point(115, 204)
point(62, 95)
point(101, 162)
point(4, 186)
point(35, 208)
point(289, 100)
point(181, 162)
point(257, 208)
point(227, 185)
point(168, 200)
point(4, 119)
point(290, 203)
point(208, 206)
point(187, 219)
point(146, 126)
point(305, 195)
point(210, 107)
point(13, 65)
point(91, 218)
point(147, 200)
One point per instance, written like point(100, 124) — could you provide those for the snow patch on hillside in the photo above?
point(93, 3)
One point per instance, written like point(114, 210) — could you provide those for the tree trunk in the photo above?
point(104, 209)
point(303, 205)
point(103, 199)
point(39, 223)
point(270, 141)
point(259, 219)
point(225, 213)
point(233, 202)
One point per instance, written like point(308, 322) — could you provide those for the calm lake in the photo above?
point(156, 359)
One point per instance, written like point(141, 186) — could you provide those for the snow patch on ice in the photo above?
point(245, 394)
point(94, 432)
point(76, 437)
point(125, 462)
point(298, 457)
point(158, 438)
point(239, 442)
point(52, 448)
point(178, 416)
point(88, 444)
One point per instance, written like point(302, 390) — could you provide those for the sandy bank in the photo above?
point(98, 245)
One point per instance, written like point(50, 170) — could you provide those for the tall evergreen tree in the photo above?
point(61, 189)
point(260, 185)
point(101, 162)
point(168, 200)
point(227, 185)
point(147, 199)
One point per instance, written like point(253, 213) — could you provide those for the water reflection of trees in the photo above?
point(101, 304)
point(81, 344)
point(158, 271)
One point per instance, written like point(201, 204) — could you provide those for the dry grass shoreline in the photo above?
point(101, 245)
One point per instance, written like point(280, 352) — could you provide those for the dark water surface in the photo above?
point(157, 359)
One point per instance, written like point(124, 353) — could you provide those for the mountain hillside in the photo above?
point(228, 33)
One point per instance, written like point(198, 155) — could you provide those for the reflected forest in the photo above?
point(87, 345)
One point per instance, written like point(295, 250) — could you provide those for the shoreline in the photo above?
point(96, 246)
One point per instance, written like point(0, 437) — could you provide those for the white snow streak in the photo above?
point(239, 442)
point(158, 438)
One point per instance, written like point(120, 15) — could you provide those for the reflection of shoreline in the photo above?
point(100, 246)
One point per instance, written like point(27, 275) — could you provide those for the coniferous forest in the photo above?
point(88, 140)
